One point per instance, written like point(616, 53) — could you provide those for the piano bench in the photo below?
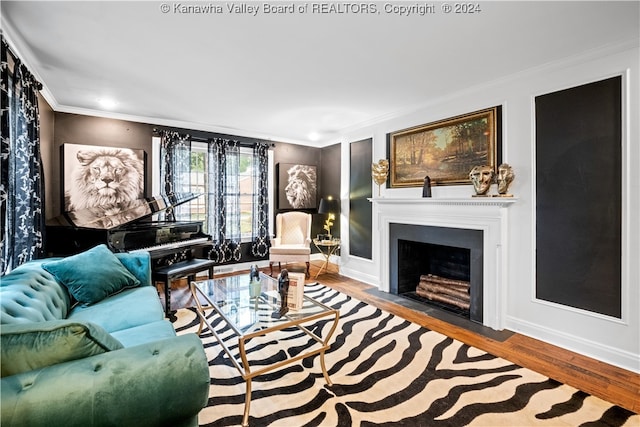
point(179, 270)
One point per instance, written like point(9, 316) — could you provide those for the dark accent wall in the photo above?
point(299, 154)
point(360, 209)
point(90, 130)
point(47, 121)
point(327, 160)
point(61, 128)
point(579, 197)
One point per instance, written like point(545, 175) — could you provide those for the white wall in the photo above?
point(615, 341)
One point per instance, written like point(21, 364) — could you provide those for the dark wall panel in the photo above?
point(579, 196)
point(360, 210)
point(330, 178)
point(89, 130)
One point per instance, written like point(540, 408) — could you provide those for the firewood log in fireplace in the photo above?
point(444, 289)
point(449, 291)
point(444, 298)
point(459, 284)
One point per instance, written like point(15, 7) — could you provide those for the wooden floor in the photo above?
point(608, 382)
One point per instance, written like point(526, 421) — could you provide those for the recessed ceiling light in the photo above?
point(314, 136)
point(107, 103)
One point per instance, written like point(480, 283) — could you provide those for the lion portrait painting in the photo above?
point(300, 189)
point(101, 178)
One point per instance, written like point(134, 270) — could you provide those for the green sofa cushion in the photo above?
point(128, 309)
point(143, 334)
point(30, 346)
point(92, 275)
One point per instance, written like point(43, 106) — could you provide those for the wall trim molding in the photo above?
point(596, 350)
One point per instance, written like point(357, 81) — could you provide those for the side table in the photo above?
point(326, 248)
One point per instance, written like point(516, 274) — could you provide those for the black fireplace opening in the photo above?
point(440, 267)
point(419, 260)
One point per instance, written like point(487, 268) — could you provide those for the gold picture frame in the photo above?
point(445, 150)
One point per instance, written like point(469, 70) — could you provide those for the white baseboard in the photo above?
point(359, 276)
point(604, 353)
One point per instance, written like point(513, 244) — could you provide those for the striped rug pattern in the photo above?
point(387, 371)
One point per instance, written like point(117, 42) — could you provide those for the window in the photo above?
point(196, 210)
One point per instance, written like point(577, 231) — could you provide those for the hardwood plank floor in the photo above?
point(613, 384)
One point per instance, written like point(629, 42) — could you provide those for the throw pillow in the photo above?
point(30, 346)
point(92, 275)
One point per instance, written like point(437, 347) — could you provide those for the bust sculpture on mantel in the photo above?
point(505, 178)
point(481, 177)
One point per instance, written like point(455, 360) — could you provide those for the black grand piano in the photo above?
point(130, 227)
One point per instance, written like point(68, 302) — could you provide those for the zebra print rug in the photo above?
point(387, 371)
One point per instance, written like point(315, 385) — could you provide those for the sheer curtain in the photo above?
point(22, 178)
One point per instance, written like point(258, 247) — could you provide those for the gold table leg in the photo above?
point(324, 266)
point(247, 403)
point(324, 370)
point(327, 256)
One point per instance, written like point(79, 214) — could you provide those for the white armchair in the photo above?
point(292, 240)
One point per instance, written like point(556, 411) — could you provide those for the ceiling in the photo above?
point(283, 76)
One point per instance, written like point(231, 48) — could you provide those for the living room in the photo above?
point(513, 298)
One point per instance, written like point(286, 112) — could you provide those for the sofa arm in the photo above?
point(162, 383)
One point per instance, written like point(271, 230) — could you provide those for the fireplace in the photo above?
point(481, 220)
point(440, 257)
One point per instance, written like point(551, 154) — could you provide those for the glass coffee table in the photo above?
point(252, 313)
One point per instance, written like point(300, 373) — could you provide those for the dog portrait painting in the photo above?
point(100, 179)
point(297, 186)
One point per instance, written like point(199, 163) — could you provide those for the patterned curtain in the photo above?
point(175, 165)
point(260, 226)
point(223, 199)
point(22, 178)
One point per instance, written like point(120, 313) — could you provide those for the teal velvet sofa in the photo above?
point(85, 343)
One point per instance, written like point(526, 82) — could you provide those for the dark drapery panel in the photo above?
point(22, 178)
point(175, 165)
point(260, 225)
point(223, 199)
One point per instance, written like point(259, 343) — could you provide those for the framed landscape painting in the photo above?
point(445, 150)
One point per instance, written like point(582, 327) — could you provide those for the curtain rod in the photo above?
point(202, 139)
point(9, 50)
point(18, 61)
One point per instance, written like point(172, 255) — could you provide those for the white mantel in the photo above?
point(488, 214)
